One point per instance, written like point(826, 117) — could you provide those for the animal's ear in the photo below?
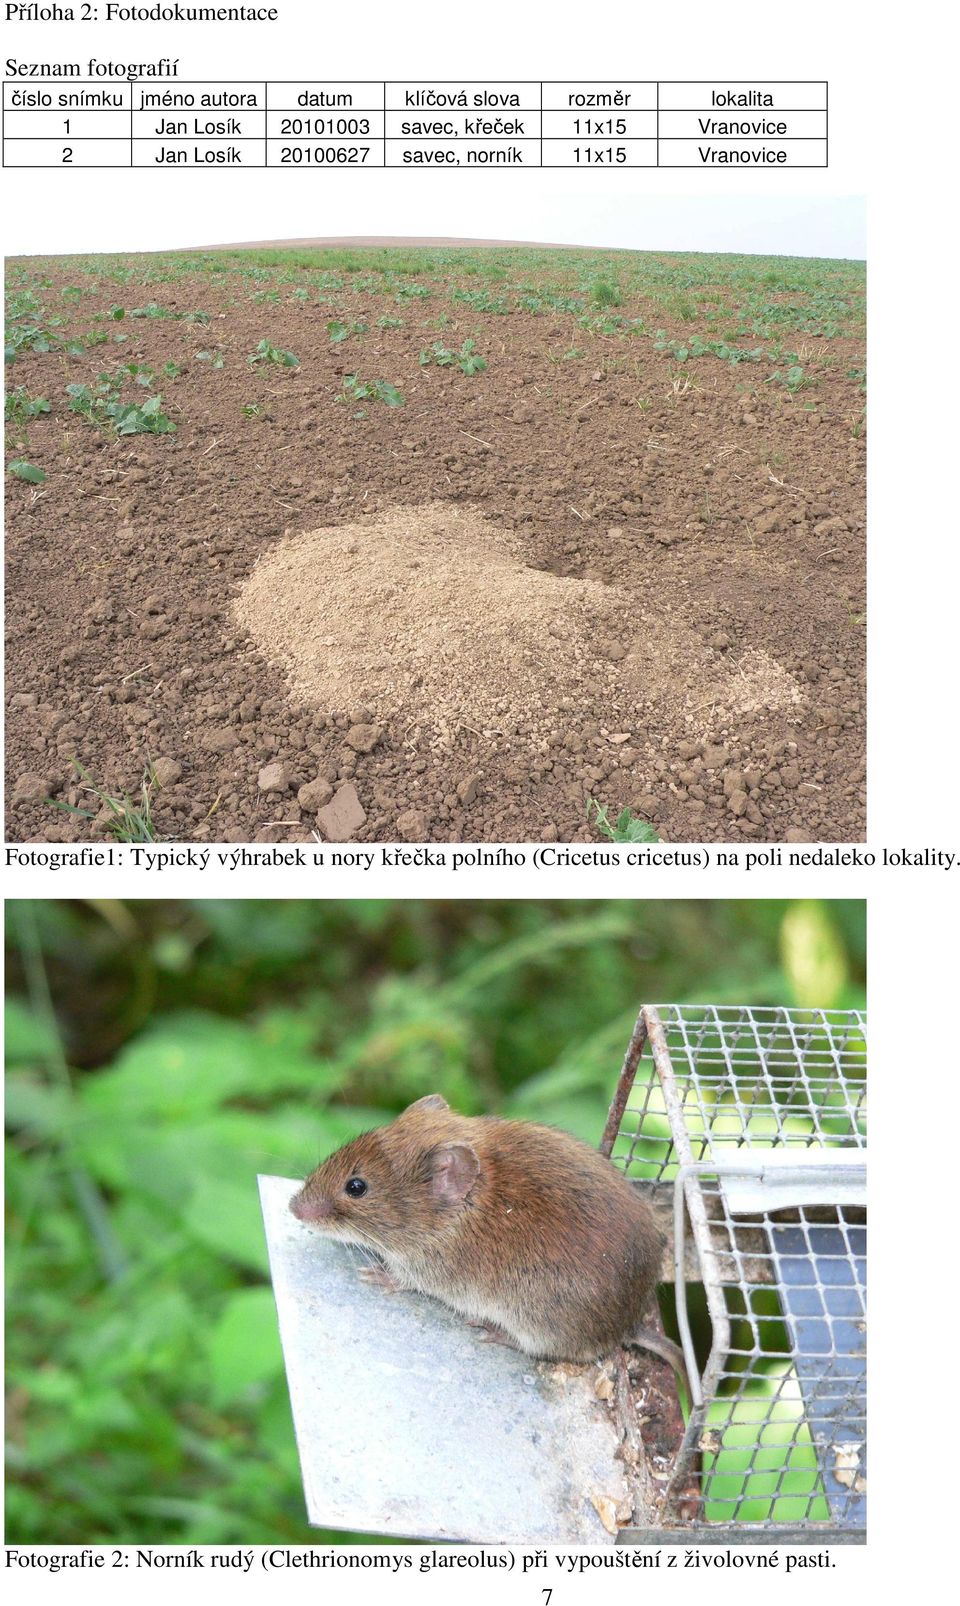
point(454, 1168)
point(431, 1101)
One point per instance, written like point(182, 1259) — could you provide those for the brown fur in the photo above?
point(515, 1225)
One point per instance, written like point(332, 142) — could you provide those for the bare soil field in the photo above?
point(435, 544)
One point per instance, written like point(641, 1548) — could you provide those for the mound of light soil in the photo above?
point(431, 617)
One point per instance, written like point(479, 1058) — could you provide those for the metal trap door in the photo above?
point(825, 1315)
point(408, 1425)
point(756, 1118)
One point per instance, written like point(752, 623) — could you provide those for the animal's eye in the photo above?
point(356, 1187)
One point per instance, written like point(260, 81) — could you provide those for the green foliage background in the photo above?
point(160, 1054)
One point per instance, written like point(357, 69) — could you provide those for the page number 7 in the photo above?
point(548, 1593)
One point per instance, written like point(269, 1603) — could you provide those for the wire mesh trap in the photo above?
point(755, 1119)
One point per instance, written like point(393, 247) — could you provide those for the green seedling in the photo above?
point(466, 359)
point(482, 301)
point(83, 400)
point(127, 821)
point(628, 827)
point(793, 378)
point(681, 308)
point(389, 323)
point(19, 406)
point(103, 404)
point(154, 310)
point(33, 337)
point(357, 389)
point(23, 304)
point(140, 372)
point(265, 352)
point(604, 293)
point(214, 358)
point(22, 470)
point(147, 418)
point(439, 354)
point(339, 332)
point(682, 350)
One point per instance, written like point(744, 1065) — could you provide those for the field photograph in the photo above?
point(446, 543)
point(161, 1053)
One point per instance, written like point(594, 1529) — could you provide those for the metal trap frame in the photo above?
point(755, 1120)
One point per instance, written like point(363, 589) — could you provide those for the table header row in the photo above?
point(446, 95)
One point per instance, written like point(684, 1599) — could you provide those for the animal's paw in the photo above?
point(491, 1334)
point(379, 1277)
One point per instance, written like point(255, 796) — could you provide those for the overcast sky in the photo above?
point(828, 226)
point(250, 205)
point(818, 226)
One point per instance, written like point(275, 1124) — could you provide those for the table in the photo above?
point(304, 124)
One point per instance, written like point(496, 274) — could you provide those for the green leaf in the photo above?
point(390, 394)
point(30, 1103)
point(584, 1117)
point(192, 1063)
point(584, 1064)
point(167, 1160)
point(244, 1347)
point(26, 1037)
point(225, 1216)
point(27, 471)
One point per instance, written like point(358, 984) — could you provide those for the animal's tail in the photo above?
point(648, 1338)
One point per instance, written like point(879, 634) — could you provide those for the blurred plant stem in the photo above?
point(89, 1199)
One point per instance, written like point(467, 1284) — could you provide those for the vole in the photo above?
point(520, 1228)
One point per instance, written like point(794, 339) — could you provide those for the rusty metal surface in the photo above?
point(625, 1081)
